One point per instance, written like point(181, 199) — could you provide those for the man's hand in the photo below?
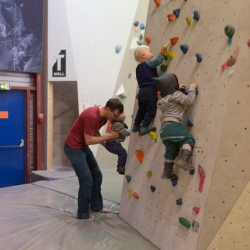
point(113, 135)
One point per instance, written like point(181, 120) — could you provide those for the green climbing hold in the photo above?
point(163, 68)
point(196, 91)
point(184, 222)
point(129, 178)
point(153, 188)
point(229, 30)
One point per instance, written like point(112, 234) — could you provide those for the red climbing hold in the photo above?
point(174, 40)
point(170, 17)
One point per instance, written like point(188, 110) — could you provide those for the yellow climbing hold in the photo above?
point(189, 20)
point(149, 173)
point(170, 54)
point(153, 135)
point(186, 107)
point(131, 191)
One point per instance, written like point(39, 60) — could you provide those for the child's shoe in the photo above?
point(183, 160)
point(168, 172)
point(121, 169)
point(146, 130)
point(135, 129)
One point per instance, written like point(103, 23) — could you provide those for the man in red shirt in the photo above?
point(85, 132)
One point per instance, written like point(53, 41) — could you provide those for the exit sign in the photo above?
point(4, 86)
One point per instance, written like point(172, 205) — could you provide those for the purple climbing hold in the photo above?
point(129, 75)
point(136, 23)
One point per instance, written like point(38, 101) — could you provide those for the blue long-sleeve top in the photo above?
point(147, 70)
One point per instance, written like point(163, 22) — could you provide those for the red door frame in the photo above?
point(37, 80)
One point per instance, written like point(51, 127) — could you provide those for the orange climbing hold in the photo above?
point(139, 154)
point(170, 17)
point(135, 195)
point(148, 39)
point(158, 3)
point(174, 40)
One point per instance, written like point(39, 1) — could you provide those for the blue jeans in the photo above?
point(90, 180)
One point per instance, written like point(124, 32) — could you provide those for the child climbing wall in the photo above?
point(172, 217)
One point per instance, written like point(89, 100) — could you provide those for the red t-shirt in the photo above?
point(88, 122)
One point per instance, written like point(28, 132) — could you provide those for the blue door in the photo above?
point(12, 137)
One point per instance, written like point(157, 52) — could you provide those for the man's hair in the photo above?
point(113, 104)
point(138, 52)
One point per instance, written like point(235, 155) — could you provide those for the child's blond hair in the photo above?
point(138, 52)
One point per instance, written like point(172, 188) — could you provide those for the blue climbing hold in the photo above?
point(190, 122)
point(142, 26)
point(199, 57)
point(118, 48)
point(177, 12)
point(184, 48)
point(179, 202)
point(196, 15)
point(192, 172)
point(136, 23)
point(174, 181)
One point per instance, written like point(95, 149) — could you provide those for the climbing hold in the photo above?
point(141, 37)
point(136, 23)
point(184, 48)
point(248, 43)
point(199, 57)
point(169, 54)
point(177, 12)
point(131, 192)
point(129, 178)
point(118, 48)
point(163, 68)
point(135, 195)
point(139, 43)
point(184, 222)
point(174, 181)
point(229, 31)
point(149, 173)
point(185, 107)
point(196, 210)
point(192, 172)
point(189, 20)
point(153, 135)
point(179, 202)
point(190, 122)
point(153, 188)
point(224, 66)
point(129, 75)
point(196, 15)
point(139, 154)
point(184, 90)
point(142, 26)
point(174, 40)
point(196, 91)
point(157, 3)
point(202, 178)
point(148, 39)
point(170, 17)
point(232, 59)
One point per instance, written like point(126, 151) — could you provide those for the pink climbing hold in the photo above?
point(248, 43)
point(224, 66)
point(202, 178)
point(196, 210)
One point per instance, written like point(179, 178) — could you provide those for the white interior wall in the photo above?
point(89, 32)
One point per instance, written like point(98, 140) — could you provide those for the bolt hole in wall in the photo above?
point(65, 112)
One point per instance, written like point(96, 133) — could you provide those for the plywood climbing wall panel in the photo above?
point(217, 110)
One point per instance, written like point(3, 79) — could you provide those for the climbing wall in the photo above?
point(220, 116)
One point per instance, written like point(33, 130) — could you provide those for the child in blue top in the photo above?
point(147, 95)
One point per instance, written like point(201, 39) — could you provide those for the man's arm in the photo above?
point(91, 140)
